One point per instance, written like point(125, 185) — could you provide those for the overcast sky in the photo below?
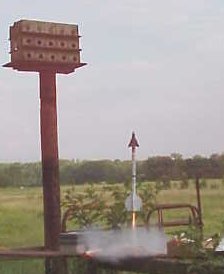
point(154, 66)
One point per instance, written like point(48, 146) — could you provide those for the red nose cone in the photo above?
point(133, 143)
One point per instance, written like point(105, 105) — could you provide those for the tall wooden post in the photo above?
point(47, 48)
point(50, 163)
point(197, 184)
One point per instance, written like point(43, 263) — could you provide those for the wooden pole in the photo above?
point(50, 163)
point(197, 184)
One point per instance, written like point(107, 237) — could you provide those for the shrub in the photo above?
point(105, 205)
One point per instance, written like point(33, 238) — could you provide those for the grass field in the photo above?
point(21, 211)
point(212, 199)
point(21, 217)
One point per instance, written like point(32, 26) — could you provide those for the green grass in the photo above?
point(212, 200)
point(34, 266)
point(21, 218)
point(21, 211)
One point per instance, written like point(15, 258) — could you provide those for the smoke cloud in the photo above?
point(114, 245)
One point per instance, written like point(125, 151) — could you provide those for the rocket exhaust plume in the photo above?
point(133, 202)
point(133, 220)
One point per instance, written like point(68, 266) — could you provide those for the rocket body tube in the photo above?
point(133, 202)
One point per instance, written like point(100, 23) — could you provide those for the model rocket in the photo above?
point(133, 202)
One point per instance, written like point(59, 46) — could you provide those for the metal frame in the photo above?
point(194, 219)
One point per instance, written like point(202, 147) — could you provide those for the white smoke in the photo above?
point(114, 245)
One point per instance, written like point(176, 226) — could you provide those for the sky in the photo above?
point(154, 67)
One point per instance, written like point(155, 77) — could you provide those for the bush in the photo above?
point(203, 183)
point(105, 205)
point(184, 181)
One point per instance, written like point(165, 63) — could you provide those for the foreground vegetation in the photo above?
point(21, 210)
point(21, 215)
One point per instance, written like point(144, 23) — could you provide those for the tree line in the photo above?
point(157, 168)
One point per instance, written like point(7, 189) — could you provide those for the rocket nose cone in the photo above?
point(133, 142)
